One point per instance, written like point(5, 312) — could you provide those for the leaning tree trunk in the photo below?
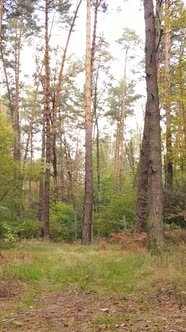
point(155, 206)
point(57, 101)
point(88, 195)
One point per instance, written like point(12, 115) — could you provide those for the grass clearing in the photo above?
point(50, 267)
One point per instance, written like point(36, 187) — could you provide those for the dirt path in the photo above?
point(75, 311)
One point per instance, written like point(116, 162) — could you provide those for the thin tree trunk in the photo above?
point(98, 172)
point(61, 161)
point(155, 206)
point(47, 124)
point(1, 16)
point(40, 231)
point(17, 145)
point(9, 95)
point(182, 110)
point(57, 99)
point(93, 48)
point(33, 112)
point(167, 33)
point(88, 195)
point(116, 158)
point(122, 119)
point(130, 155)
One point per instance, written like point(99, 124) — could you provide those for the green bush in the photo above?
point(116, 216)
point(175, 205)
point(27, 229)
point(62, 222)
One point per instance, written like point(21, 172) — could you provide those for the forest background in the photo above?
point(43, 118)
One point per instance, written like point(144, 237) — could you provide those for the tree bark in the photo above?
point(141, 204)
point(88, 195)
point(98, 170)
point(17, 144)
point(47, 125)
point(167, 33)
point(155, 206)
point(1, 15)
point(122, 124)
point(143, 178)
point(182, 110)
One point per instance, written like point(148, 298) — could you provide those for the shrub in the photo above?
point(62, 222)
point(174, 205)
point(119, 215)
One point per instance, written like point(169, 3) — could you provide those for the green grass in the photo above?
point(49, 267)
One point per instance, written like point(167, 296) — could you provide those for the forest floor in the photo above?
point(51, 287)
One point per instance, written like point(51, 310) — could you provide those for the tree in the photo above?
point(18, 25)
point(8, 164)
point(129, 42)
point(172, 88)
point(167, 83)
point(100, 84)
point(152, 126)
point(1, 15)
point(58, 89)
point(143, 172)
point(88, 196)
point(47, 123)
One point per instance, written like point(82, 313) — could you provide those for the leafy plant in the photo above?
point(116, 216)
point(62, 222)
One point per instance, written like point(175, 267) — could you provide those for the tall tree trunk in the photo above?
point(17, 145)
point(122, 125)
point(88, 195)
point(40, 230)
point(61, 185)
point(182, 109)
point(33, 111)
point(167, 33)
point(98, 171)
point(57, 101)
point(120, 144)
point(116, 158)
point(141, 204)
point(9, 94)
point(93, 48)
point(1, 15)
point(155, 206)
point(47, 124)
point(143, 178)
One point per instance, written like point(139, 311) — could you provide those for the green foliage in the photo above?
point(62, 222)
point(118, 215)
point(27, 229)
point(175, 205)
point(34, 169)
point(12, 229)
point(10, 176)
point(10, 235)
point(8, 165)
